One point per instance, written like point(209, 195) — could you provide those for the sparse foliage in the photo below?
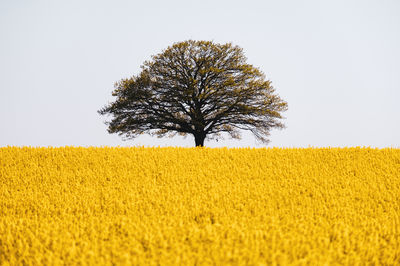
point(199, 88)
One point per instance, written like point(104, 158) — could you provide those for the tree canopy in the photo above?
point(196, 87)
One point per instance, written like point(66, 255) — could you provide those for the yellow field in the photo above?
point(148, 206)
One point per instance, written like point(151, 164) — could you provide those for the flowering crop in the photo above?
point(150, 206)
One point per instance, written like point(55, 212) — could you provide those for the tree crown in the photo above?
point(199, 88)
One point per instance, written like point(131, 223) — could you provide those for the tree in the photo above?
point(196, 87)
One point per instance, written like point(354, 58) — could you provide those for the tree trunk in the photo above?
point(199, 139)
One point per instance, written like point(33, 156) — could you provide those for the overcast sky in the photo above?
point(336, 63)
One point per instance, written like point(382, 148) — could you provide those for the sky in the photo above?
point(336, 63)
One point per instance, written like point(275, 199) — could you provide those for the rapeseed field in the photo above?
point(199, 206)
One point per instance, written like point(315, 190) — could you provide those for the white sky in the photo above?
point(336, 63)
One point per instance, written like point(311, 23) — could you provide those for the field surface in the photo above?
point(199, 206)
